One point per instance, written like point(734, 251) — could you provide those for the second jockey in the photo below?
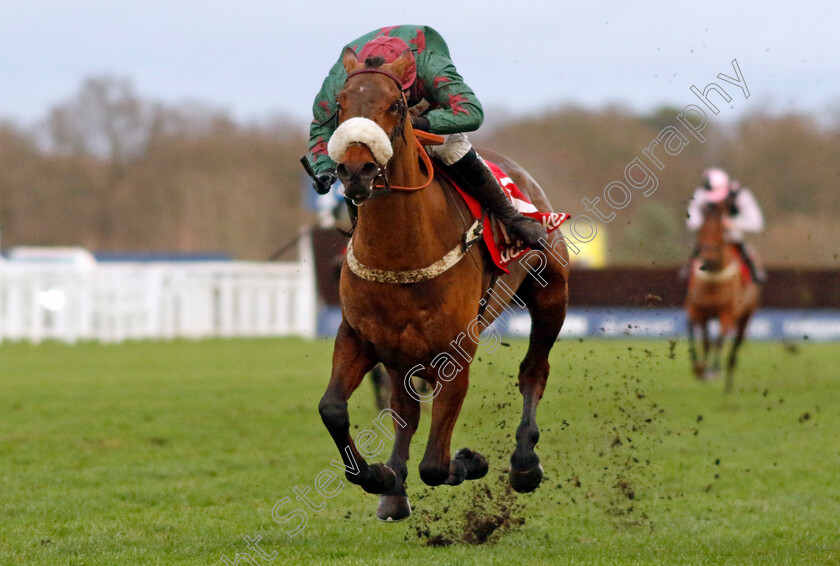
point(744, 215)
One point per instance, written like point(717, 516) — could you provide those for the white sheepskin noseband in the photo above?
point(364, 131)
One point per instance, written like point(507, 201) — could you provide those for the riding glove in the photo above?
point(420, 123)
point(324, 181)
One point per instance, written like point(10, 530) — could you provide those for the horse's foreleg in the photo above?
point(701, 365)
point(704, 332)
point(740, 330)
point(727, 325)
point(717, 348)
point(393, 504)
point(692, 348)
point(436, 468)
point(352, 359)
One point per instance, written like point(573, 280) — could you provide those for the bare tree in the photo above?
point(106, 121)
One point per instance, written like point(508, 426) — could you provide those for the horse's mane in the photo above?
point(374, 62)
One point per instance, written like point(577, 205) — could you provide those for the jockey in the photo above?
point(452, 109)
point(744, 214)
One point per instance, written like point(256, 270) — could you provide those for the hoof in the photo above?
point(711, 375)
point(474, 463)
point(527, 481)
point(434, 476)
point(393, 508)
point(380, 478)
point(457, 473)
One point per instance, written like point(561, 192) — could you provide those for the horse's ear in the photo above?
point(350, 60)
point(402, 64)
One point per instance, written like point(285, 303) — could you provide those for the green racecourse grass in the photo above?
point(171, 453)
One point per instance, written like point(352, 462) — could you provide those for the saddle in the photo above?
point(504, 249)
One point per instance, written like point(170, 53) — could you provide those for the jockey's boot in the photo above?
point(478, 179)
point(757, 273)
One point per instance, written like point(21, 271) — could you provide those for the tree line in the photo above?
point(112, 171)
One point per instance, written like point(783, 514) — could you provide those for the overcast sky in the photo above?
point(258, 58)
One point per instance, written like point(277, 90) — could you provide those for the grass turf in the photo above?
point(173, 453)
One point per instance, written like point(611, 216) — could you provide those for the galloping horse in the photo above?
point(718, 290)
point(410, 293)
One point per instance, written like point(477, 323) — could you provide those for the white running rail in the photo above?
point(112, 302)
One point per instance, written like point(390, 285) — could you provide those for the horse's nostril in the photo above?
point(369, 170)
point(348, 174)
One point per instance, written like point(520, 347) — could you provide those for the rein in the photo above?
point(427, 163)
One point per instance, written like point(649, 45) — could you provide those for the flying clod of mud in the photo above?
point(482, 516)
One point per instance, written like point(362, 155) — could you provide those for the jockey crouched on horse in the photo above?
point(441, 102)
point(743, 216)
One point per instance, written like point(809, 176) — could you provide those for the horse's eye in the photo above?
point(395, 106)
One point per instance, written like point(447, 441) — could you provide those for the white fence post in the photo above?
point(307, 301)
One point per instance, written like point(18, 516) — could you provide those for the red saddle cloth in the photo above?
point(744, 269)
point(503, 248)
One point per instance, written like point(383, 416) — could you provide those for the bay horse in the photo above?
point(718, 290)
point(402, 308)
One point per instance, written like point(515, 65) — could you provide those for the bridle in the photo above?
point(726, 271)
point(384, 186)
point(472, 235)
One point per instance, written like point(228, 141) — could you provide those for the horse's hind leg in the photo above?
point(548, 311)
point(393, 504)
point(381, 386)
point(352, 359)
